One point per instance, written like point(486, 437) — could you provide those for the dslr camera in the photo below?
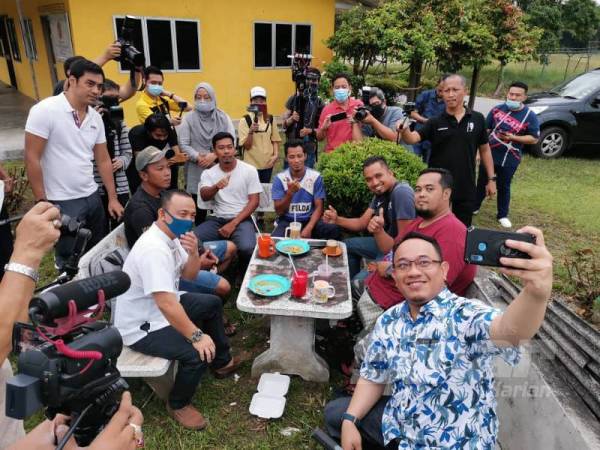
point(67, 358)
point(129, 54)
point(111, 109)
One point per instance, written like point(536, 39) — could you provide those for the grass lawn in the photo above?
point(559, 196)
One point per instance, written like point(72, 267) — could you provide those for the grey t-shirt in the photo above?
point(399, 204)
point(391, 116)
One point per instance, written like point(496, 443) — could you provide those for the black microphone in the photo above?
point(54, 303)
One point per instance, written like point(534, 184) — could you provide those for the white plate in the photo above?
point(266, 406)
point(273, 384)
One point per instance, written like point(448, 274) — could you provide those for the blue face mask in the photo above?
point(179, 226)
point(155, 89)
point(513, 105)
point(341, 95)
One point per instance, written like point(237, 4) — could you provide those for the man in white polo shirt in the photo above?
point(63, 135)
point(155, 320)
point(234, 187)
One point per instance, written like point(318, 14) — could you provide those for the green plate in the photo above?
point(269, 285)
point(294, 247)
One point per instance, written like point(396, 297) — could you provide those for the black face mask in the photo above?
point(377, 111)
point(157, 143)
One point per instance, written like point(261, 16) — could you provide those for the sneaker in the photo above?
point(475, 212)
point(188, 417)
point(505, 222)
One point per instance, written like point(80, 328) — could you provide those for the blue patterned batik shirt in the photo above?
point(441, 370)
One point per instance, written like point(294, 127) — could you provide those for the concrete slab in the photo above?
point(14, 108)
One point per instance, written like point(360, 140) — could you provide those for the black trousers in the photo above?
point(206, 311)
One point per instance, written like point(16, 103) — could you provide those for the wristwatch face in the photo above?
point(196, 336)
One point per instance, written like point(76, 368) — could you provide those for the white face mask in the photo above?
point(204, 105)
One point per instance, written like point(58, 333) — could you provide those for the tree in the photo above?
point(547, 16)
point(515, 39)
point(581, 20)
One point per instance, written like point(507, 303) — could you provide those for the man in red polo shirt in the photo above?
point(345, 130)
point(435, 218)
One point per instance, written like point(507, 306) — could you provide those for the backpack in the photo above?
point(108, 260)
point(248, 120)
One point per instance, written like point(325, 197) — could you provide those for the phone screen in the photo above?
point(339, 116)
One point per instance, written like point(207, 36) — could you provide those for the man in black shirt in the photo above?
point(456, 135)
point(142, 211)
point(301, 117)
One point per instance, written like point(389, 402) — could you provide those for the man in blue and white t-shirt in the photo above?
point(299, 194)
point(511, 126)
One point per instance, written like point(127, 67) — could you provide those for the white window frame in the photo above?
point(273, 65)
point(29, 39)
point(172, 21)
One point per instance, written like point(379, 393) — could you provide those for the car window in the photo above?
point(580, 86)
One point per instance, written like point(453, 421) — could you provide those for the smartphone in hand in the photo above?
point(486, 247)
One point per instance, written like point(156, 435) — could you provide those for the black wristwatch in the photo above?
point(351, 418)
point(494, 178)
point(196, 336)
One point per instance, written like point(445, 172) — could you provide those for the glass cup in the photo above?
point(323, 272)
point(299, 283)
point(322, 291)
point(266, 247)
point(293, 230)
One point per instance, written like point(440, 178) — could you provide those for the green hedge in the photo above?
point(342, 172)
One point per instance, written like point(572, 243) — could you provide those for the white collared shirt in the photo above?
point(67, 159)
point(154, 264)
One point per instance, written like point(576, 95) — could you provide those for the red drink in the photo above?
point(299, 283)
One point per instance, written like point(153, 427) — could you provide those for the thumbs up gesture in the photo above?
point(376, 223)
point(330, 215)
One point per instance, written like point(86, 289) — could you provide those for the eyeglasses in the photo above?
point(422, 263)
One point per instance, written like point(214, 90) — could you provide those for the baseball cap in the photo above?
point(258, 91)
point(149, 155)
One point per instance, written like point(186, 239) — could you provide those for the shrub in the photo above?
point(391, 87)
point(342, 172)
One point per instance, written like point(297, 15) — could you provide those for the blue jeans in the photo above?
point(206, 312)
point(423, 149)
point(89, 211)
point(358, 248)
point(205, 283)
point(321, 230)
point(503, 181)
point(370, 425)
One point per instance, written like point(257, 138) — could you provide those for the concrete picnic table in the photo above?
point(292, 343)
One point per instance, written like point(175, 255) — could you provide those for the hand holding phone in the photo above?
point(486, 247)
point(339, 116)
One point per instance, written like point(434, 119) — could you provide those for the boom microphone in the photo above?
point(54, 303)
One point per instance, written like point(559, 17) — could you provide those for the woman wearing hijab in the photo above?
point(195, 138)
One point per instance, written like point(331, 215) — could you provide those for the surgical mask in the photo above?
point(513, 105)
point(204, 106)
point(179, 226)
point(155, 89)
point(341, 95)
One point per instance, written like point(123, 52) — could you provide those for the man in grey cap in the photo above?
point(381, 121)
point(142, 211)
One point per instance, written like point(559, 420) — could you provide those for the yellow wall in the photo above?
point(226, 43)
point(30, 10)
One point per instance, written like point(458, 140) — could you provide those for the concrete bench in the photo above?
point(265, 202)
point(159, 373)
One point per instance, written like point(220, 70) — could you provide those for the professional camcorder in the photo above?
point(300, 73)
point(129, 54)
point(67, 357)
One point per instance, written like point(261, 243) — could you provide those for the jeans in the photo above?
point(206, 311)
point(321, 230)
point(244, 235)
point(504, 179)
point(88, 210)
point(358, 248)
point(370, 425)
point(423, 149)
point(205, 283)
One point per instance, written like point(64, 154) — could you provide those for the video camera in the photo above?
point(67, 358)
point(111, 110)
point(300, 63)
point(129, 54)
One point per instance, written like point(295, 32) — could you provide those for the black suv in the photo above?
point(569, 115)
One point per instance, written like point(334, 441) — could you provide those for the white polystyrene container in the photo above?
point(269, 401)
